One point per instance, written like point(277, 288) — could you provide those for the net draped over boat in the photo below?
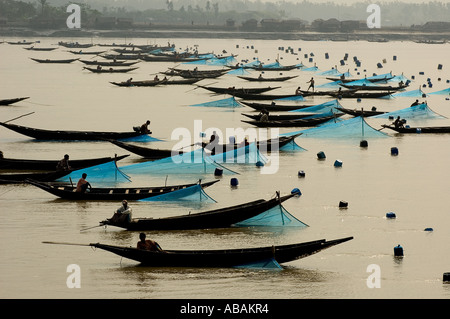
point(228, 102)
point(239, 71)
point(413, 93)
point(298, 98)
point(292, 146)
point(270, 263)
point(99, 174)
point(420, 111)
point(331, 85)
point(214, 61)
point(141, 138)
point(277, 216)
point(192, 194)
point(441, 92)
point(355, 127)
point(311, 69)
point(325, 107)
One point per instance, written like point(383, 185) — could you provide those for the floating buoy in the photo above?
point(326, 56)
point(379, 65)
point(343, 204)
point(305, 55)
point(394, 58)
point(363, 143)
point(234, 181)
point(384, 60)
point(398, 251)
point(413, 77)
point(337, 163)
point(259, 164)
point(390, 215)
point(418, 130)
point(439, 66)
point(358, 100)
point(321, 155)
point(394, 151)
point(237, 46)
point(428, 229)
point(421, 73)
point(342, 62)
point(446, 277)
point(301, 174)
point(296, 191)
point(310, 59)
point(218, 172)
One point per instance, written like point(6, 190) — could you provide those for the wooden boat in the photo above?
point(74, 45)
point(294, 123)
point(281, 68)
point(20, 43)
point(122, 56)
point(322, 93)
point(258, 97)
point(274, 107)
point(374, 88)
point(41, 134)
point(116, 194)
point(270, 79)
point(221, 257)
point(146, 152)
point(50, 165)
point(86, 53)
point(347, 80)
point(217, 218)
point(110, 70)
point(168, 58)
point(182, 81)
point(40, 49)
point(278, 117)
point(233, 90)
point(109, 63)
point(53, 61)
point(357, 94)
point(195, 73)
point(18, 178)
point(139, 83)
point(12, 101)
point(363, 113)
point(423, 129)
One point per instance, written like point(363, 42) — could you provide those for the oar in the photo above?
point(199, 86)
point(19, 117)
point(62, 243)
point(91, 227)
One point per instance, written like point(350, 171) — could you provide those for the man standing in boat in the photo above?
point(311, 85)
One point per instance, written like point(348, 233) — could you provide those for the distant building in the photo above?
point(105, 22)
point(230, 23)
point(436, 26)
point(250, 25)
point(351, 25)
point(330, 25)
point(282, 25)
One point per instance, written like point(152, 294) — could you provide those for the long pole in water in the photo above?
point(19, 117)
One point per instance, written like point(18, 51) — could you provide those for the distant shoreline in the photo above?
point(379, 35)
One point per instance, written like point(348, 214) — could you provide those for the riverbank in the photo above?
point(373, 35)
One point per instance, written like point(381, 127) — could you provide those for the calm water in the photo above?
point(415, 185)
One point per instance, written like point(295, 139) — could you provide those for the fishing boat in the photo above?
point(269, 79)
point(233, 90)
point(258, 97)
point(272, 68)
point(110, 70)
point(223, 258)
point(361, 112)
point(357, 94)
point(86, 52)
point(39, 49)
point(112, 193)
point(122, 56)
point(146, 152)
point(347, 80)
point(139, 83)
point(422, 129)
point(74, 44)
point(50, 165)
point(20, 42)
point(18, 178)
point(12, 101)
point(374, 87)
point(169, 58)
point(65, 61)
point(42, 134)
point(210, 74)
point(293, 123)
point(273, 107)
point(182, 81)
point(109, 63)
point(278, 117)
point(217, 218)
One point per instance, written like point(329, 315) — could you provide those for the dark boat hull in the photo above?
point(54, 61)
point(281, 117)
point(218, 218)
point(116, 194)
point(18, 178)
point(146, 152)
point(234, 90)
point(274, 107)
point(357, 95)
point(12, 101)
point(374, 88)
point(272, 79)
point(364, 113)
point(108, 63)
point(110, 70)
point(50, 165)
point(416, 130)
point(293, 123)
point(41, 134)
point(259, 97)
point(222, 258)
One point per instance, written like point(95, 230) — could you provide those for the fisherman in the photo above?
point(264, 115)
point(83, 184)
point(415, 103)
point(398, 123)
point(63, 165)
point(213, 142)
point(124, 211)
point(147, 244)
point(298, 91)
point(144, 128)
point(311, 85)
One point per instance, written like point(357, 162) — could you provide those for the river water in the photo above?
point(415, 184)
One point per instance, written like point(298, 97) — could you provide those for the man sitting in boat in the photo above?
point(124, 212)
point(63, 165)
point(144, 128)
point(83, 184)
point(398, 123)
point(147, 244)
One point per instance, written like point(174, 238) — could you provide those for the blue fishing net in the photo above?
point(380, 76)
point(330, 85)
point(330, 106)
point(292, 146)
point(441, 92)
point(355, 127)
point(100, 174)
point(330, 72)
point(239, 71)
point(421, 111)
point(311, 69)
point(192, 194)
point(297, 98)
point(274, 217)
point(141, 138)
point(228, 102)
point(270, 263)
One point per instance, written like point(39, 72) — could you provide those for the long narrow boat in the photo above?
point(65, 61)
point(50, 165)
point(75, 44)
point(269, 79)
point(217, 218)
point(258, 97)
point(39, 49)
point(86, 52)
point(223, 258)
point(280, 68)
point(274, 107)
point(422, 129)
point(233, 90)
point(113, 193)
point(109, 63)
point(16, 178)
point(357, 94)
point(278, 117)
point(144, 83)
point(12, 101)
point(110, 70)
point(347, 80)
point(364, 113)
point(321, 93)
point(294, 123)
point(41, 134)
point(374, 87)
point(168, 58)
